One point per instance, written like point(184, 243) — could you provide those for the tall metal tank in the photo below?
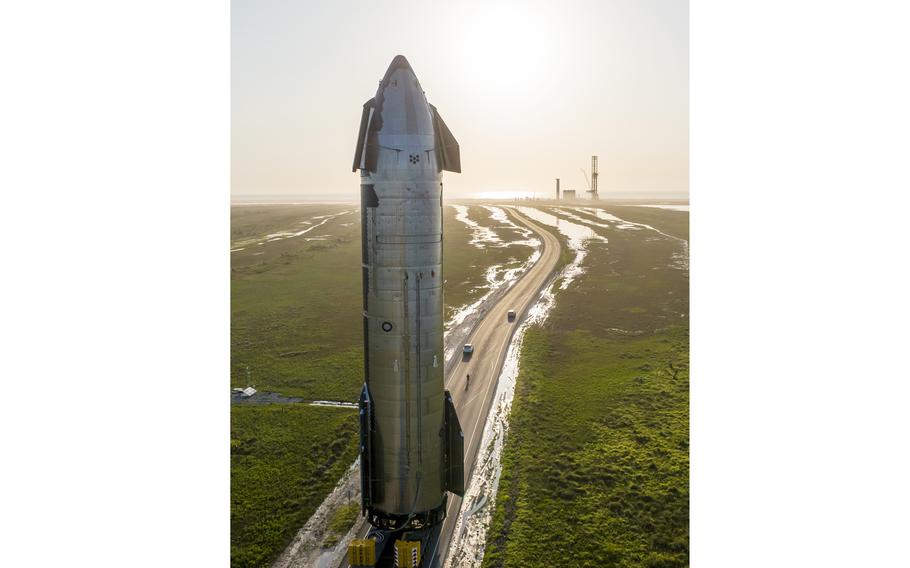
point(411, 450)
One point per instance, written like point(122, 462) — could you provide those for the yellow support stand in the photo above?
point(407, 554)
point(362, 552)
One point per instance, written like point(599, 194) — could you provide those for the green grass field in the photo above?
point(674, 223)
point(595, 468)
point(296, 324)
point(288, 324)
point(285, 458)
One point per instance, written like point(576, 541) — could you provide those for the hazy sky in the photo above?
point(530, 89)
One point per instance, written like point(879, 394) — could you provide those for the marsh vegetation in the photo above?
point(595, 465)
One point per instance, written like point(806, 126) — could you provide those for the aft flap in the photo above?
point(454, 449)
point(448, 155)
point(368, 483)
point(362, 135)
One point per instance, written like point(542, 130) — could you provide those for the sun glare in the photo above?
point(507, 51)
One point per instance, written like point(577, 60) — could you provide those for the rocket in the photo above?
point(411, 443)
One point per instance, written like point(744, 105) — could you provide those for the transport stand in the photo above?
point(395, 549)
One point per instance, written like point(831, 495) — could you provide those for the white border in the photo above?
point(799, 284)
point(114, 143)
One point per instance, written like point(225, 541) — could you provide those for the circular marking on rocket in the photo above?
point(386, 326)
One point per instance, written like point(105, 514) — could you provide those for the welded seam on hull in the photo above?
point(419, 389)
point(406, 346)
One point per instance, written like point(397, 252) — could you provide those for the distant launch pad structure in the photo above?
point(594, 177)
point(592, 185)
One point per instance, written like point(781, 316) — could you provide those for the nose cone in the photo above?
point(402, 105)
point(400, 62)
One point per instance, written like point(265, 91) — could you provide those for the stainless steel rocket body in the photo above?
point(407, 423)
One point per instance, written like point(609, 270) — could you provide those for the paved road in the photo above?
point(491, 339)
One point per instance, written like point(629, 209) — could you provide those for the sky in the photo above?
point(530, 89)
